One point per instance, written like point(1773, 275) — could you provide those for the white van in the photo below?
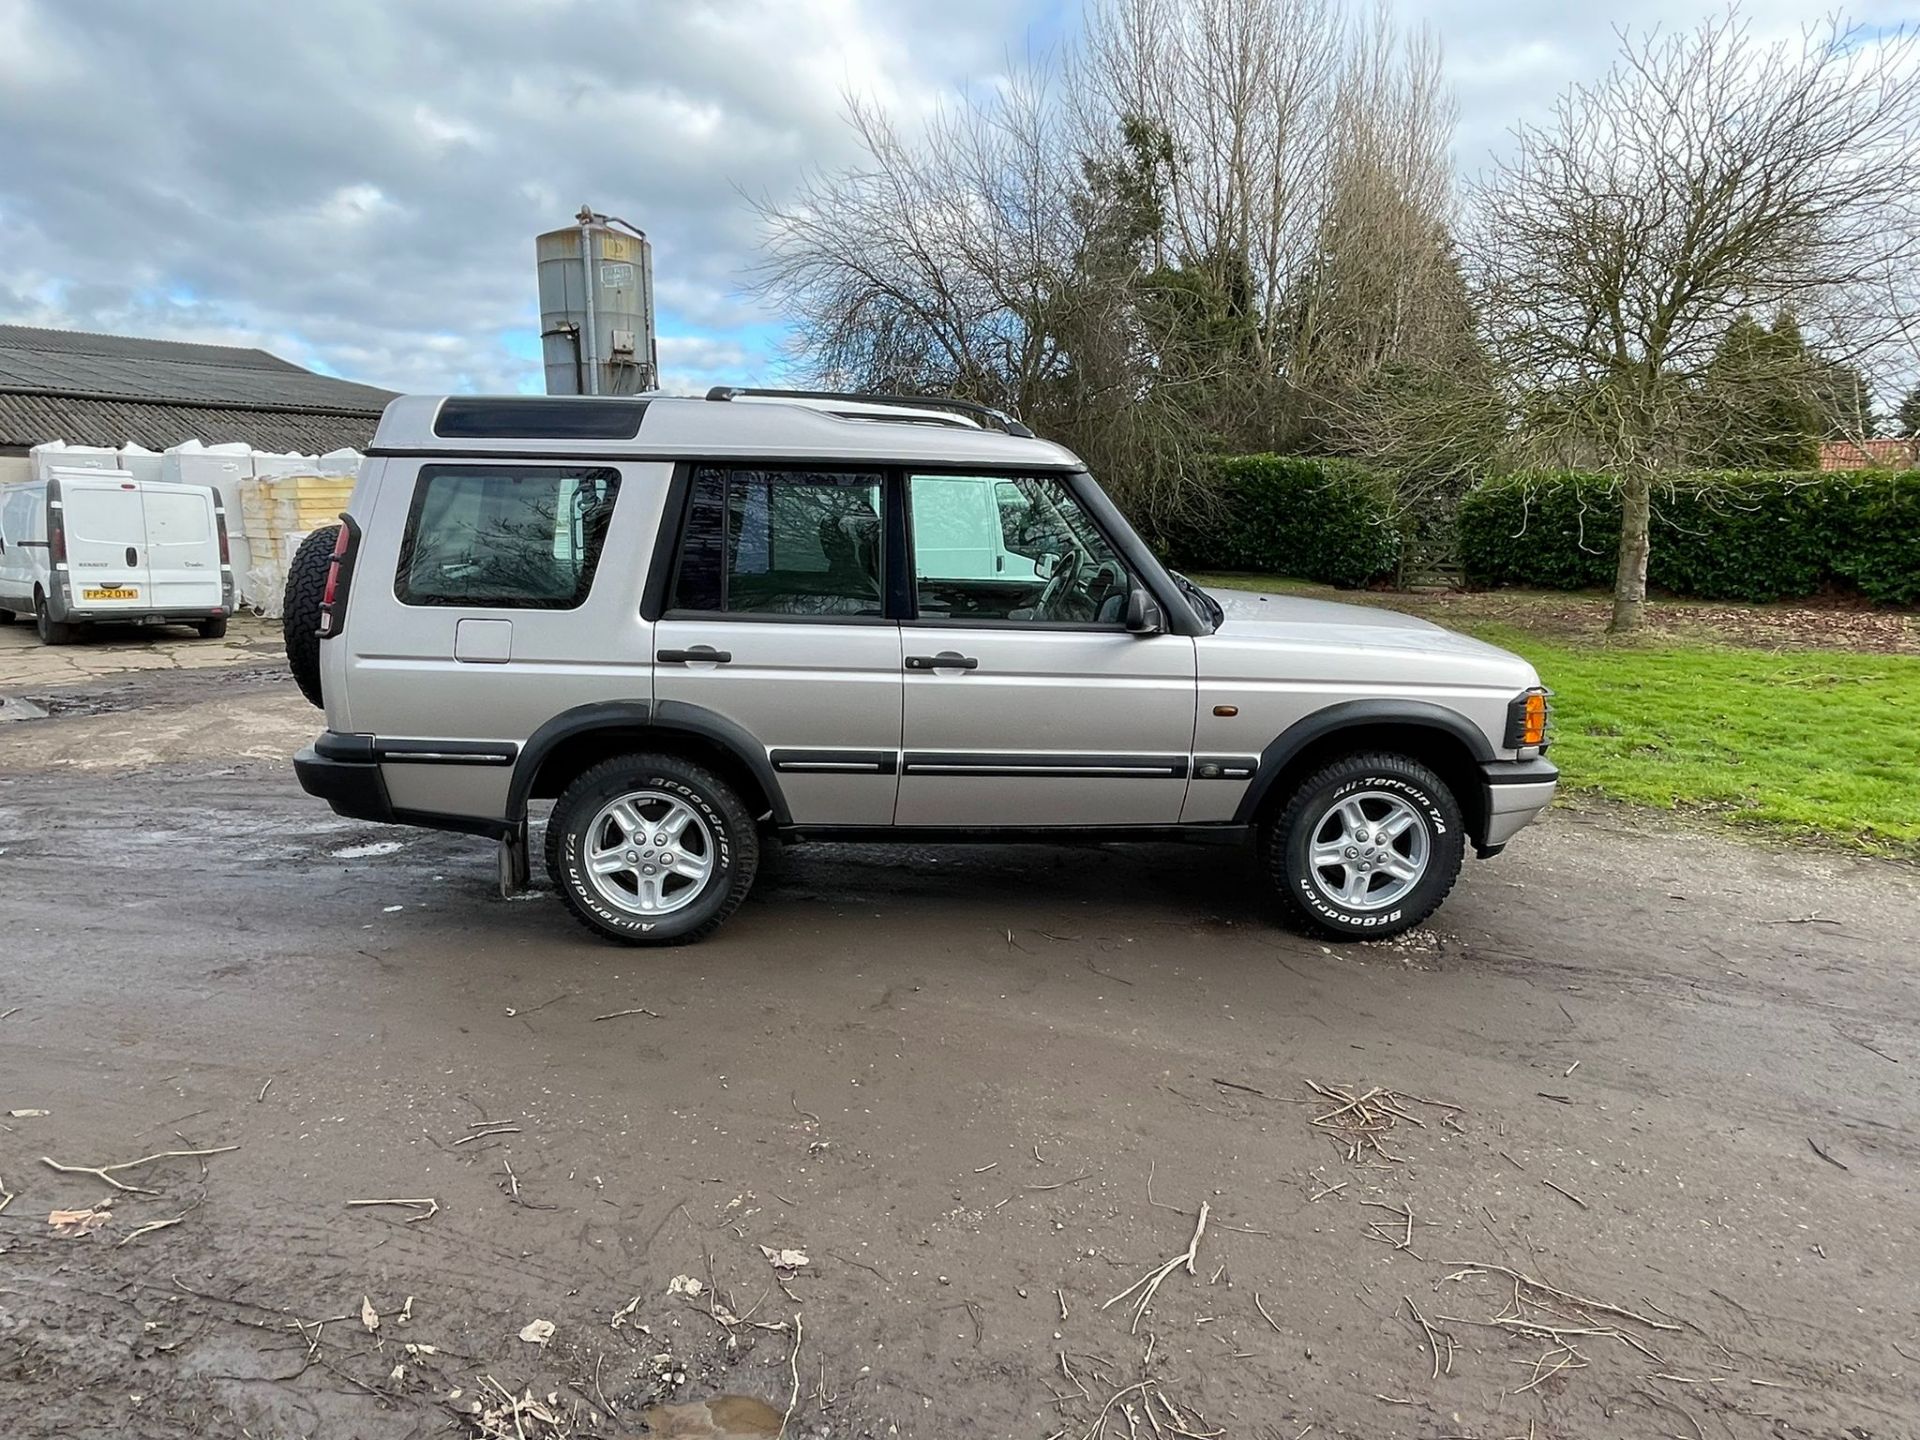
point(87, 546)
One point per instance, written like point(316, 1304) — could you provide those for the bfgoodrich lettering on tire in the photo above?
point(651, 850)
point(1367, 847)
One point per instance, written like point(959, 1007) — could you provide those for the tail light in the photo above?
point(220, 528)
point(57, 537)
point(333, 599)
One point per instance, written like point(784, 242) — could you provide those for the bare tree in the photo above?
point(1708, 173)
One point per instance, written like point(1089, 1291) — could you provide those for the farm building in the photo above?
point(117, 390)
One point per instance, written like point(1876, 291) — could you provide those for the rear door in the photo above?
point(183, 547)
point(106, 533)
point(775, 622)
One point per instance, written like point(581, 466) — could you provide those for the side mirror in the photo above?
point(1143, 612)
point(1044, 564)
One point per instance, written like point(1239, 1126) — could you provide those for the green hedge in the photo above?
point(1312, 519)
point(1716, 535)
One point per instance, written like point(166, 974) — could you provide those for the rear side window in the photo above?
point(782, 542)
point(505, 536)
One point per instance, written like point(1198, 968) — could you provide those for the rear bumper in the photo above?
point(80, 615)
point(344, 771)
point(1515, 791)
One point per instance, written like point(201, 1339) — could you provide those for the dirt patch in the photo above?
point(985, 1093)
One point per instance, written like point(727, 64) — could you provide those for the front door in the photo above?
point(1027, 701)
point(776, 624)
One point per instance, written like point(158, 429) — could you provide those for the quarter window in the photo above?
point(1022, 549)
point(782, 542)
point(505, 537)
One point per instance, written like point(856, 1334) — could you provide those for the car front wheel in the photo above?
point(1367, 847)
point(651, 850)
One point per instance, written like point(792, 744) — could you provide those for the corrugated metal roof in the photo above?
point(27, 420)
point(105, 389)
point(134, 347)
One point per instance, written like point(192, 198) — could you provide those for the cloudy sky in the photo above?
point(355, 184)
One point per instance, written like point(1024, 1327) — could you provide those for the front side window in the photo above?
point(992, 548)
point(782, 542)
point(505, 536)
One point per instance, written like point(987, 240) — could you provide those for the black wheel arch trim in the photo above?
point(1349, 714)
point(661, 716)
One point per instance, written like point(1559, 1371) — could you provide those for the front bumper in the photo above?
point(1515, 791)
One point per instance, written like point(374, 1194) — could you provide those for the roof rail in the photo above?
point(997, 418)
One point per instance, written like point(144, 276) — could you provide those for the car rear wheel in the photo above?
point(300, 609)
point(651, 850)
point(51, 631)
point(1367, 847)
point(212, 629)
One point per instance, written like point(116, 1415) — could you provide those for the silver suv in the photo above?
point(701, 625)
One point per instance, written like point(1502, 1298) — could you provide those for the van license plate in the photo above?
point(115, 592)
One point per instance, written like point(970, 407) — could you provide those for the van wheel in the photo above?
point(651, 850)
point(52, 631)
point(212, 629)
point(300, 609)
point(1367, 847)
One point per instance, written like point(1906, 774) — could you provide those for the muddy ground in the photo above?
point(1682, 1065)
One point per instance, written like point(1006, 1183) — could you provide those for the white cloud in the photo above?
point(357, 183)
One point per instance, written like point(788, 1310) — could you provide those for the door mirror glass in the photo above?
point(1043, 565)
point(1143, 612)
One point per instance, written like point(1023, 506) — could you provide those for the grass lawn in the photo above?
point(1803, 739)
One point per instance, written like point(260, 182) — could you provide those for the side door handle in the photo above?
point(698, 655)
point(945, 660)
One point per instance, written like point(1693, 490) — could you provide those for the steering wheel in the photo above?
point(1059, 585)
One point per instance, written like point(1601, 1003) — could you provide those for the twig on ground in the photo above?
point(985, 1168)
point(6, 1199)
point(793, 1364)
point(1264, 1315)
point(1825, 1156)
point(1442, 1365)
point(1568, 1193)
point(541, 1006)
point(793, 1099)
point(1062, 1184)
point(1158, 1204)
point(263, 1090)
point(637, 1010)
point(153, 1225)
point(432, 1207)
point(479, 1134)
point(104, 1171)
point(1147, 1285)
point(1058, 1294)
point(10, 1010)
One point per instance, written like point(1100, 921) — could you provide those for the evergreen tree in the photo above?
point(1907, 416)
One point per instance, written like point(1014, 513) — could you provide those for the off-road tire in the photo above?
point(300, 609)
point(736, 847)
point(212, 629)
point(1285, 844)
point(50, 630)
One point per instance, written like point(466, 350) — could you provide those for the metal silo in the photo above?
point(596, 308)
